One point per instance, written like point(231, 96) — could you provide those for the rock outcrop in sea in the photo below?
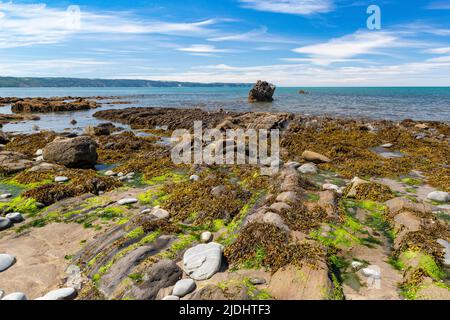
point(262, 91)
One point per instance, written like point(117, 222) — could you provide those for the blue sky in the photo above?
point(287, 42)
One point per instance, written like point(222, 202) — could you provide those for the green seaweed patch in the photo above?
point(411, 181)
point(182, 243)
point(426, 262)
point(23, 205)
point(312, 197)
point(154, 197)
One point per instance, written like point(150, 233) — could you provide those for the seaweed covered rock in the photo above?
point(262, 91)
point(78, 152)
point(4, 138)
point(13, 162)
point(81, 182)
point(28, 144)
point(43, 105)
point(370, 191)
point(265, 245)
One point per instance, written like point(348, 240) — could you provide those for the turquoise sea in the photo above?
point(393, 103)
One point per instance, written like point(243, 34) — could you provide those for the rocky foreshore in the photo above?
point(358, 210)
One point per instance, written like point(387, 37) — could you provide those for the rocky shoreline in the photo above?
point(356, 202)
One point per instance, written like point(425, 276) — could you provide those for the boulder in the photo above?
point(61, 294)
point(276, 220)
point(262, 91)
point(397, 205)
point(287, 197)
point(15, 296)
point(171, 298)
point(162, 274)
point(183, 287)
point(78, 152)
point(194, 177)
point(160, 213)
point(61, 179)
point(15, 217)
point(5, 223)
point(127, 201)
point(439, 196)
point(206, 237)
point(292, 165)
point(6, 261)
point(203, 261)
point(314, 157)
point(280, 206)
point(354, 183)
point(308, 168)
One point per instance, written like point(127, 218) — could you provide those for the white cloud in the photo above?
point(31, 24)
point(439, 50)
point(298, 7)
point(202, 48)
point(348, 46)
point(426, 73)
point(258, 35)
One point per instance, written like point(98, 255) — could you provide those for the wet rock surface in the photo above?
point(298, 234)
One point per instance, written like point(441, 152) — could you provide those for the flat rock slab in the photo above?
point(203, 261)
point(40, 255)
point(6, 261)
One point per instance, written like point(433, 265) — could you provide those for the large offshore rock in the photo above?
point(78, 152)
point(262, 91)
point(203, 261)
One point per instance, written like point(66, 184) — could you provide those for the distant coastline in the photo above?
point(38, 82)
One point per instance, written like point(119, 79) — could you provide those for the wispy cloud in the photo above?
point(298, 7)
point(346, 47)
point(439, 50)
point(260, 35)
point(427, 72)
point(203, 49)
point(31, 24)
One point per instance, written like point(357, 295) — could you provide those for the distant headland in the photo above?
point(29, 82)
